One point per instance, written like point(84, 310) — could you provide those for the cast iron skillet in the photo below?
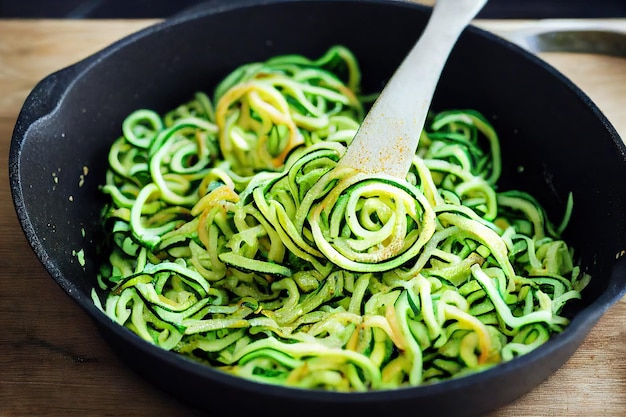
point(554, 140)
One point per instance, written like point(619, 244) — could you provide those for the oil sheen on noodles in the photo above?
point(232, 240)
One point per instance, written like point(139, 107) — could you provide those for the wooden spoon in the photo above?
point(387, 139)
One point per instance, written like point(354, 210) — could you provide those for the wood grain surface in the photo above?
point(53, 362)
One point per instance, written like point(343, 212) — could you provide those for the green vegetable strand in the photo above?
point(233, 240)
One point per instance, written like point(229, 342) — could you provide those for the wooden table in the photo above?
point(54, 362)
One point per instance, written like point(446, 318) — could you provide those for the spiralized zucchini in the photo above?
point(234, 241)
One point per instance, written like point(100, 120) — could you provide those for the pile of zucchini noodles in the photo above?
point(233, 240)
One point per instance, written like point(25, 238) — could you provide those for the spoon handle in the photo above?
point(387, 139)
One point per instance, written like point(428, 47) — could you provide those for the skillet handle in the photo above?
point(45, 97)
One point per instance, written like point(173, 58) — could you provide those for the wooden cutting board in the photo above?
point(53, 361)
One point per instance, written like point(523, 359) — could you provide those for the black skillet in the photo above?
point(554, 140)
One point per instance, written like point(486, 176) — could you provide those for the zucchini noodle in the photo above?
point(232, 240)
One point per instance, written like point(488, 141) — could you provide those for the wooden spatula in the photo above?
point(387, 140)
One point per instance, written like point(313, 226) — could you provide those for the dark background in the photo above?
point(104, 9)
